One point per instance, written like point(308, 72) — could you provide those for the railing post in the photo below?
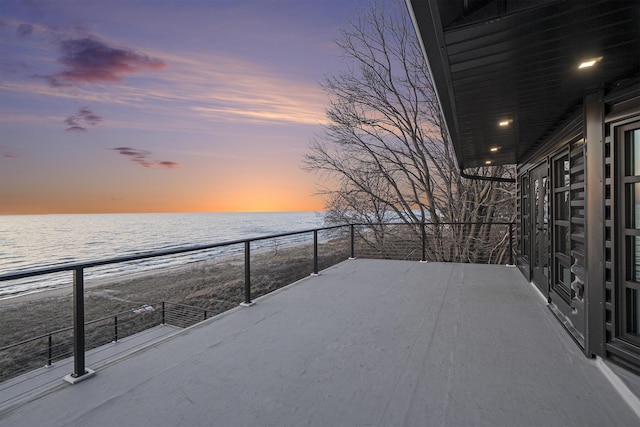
point(78, 323)
point(115, 328)
point(315, 252)
point(247, 275)
point(353, 239)
point(50, 351)
point(80, 371)
point(163, 316)
point(205, 314)
point(511, 243)
point(424, 242)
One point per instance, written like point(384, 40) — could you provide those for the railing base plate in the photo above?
point(247, 304)
point(314, 274)
point(73, 380)
point(510, 265)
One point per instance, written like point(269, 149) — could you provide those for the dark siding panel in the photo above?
point(610, 253)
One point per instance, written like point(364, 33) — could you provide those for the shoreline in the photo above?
point(67, 289)
point(215, 284)
point(113, 280)
point(110, 280)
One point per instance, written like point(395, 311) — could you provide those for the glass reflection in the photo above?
point(563, 240)
point(562, 205)
point(633, 152)
point(633, 258)
point(633, 312)
point(545, 213)
point(536, 220)
point(565, 276)
point(562, 172)
point(633, 210)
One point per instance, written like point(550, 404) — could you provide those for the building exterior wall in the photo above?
point(622, 114)
point(586, 227)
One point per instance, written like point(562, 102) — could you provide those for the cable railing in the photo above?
point(51, 347)
point(469, 242)
point(442, 242)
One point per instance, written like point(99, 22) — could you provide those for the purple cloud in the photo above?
point(89, 116)
point(169, 165)
point(138, 156)
point(24, 30)
point(6, 153)
point(83, 116)
point(88, 60)
point(141, 157)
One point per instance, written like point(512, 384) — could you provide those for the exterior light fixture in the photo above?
point(488, 162)
point(589, 62)
point(494, 149)
point(504, 123)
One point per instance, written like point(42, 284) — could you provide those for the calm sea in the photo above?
point(29, 241)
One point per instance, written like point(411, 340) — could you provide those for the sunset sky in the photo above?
point(163, 106)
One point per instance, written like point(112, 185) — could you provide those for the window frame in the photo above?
point(561, 185)
point(627, 231)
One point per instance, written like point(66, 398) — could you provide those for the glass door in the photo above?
point(540, 228)
point(525, 221)
point(629, 295)
point(561, 283)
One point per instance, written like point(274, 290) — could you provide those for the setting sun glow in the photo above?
point(205, 106)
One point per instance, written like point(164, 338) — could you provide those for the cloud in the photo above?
point(75, 128)
point(84, 116)
point(141, 157)
point(24, 30)
point(256, 93)
point(212, 87)
point(89, 116)
point(4, 152)
point(169, 165)
point(88, 60)
point(138, 156)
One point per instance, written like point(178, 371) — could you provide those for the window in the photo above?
point(633, 318)
point(525, 218)
point(629, 143)
point(562, 226)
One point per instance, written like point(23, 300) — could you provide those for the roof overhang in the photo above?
point(507, 73)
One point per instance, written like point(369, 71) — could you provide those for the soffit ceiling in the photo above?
point(518, 60)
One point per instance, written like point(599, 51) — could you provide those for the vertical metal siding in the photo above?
point(594, 222)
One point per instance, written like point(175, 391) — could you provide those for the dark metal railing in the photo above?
point(57, 348)
point(79, 268)
point(362, 231)
point(471, 242)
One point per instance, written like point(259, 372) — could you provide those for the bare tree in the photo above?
point(386, 145)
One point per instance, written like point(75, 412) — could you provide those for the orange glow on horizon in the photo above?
point(310, 205)
point(257, 186)
point(95, 204)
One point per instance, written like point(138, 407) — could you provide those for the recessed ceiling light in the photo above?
point(504, 123)
point(589, 62)
point(488, 162)
point(494, 149)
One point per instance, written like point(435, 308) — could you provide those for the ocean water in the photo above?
point(34, 241)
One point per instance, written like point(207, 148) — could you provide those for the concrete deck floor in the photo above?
point(34, 383)
point(366, 343)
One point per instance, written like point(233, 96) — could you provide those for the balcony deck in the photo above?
point(367, 342)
